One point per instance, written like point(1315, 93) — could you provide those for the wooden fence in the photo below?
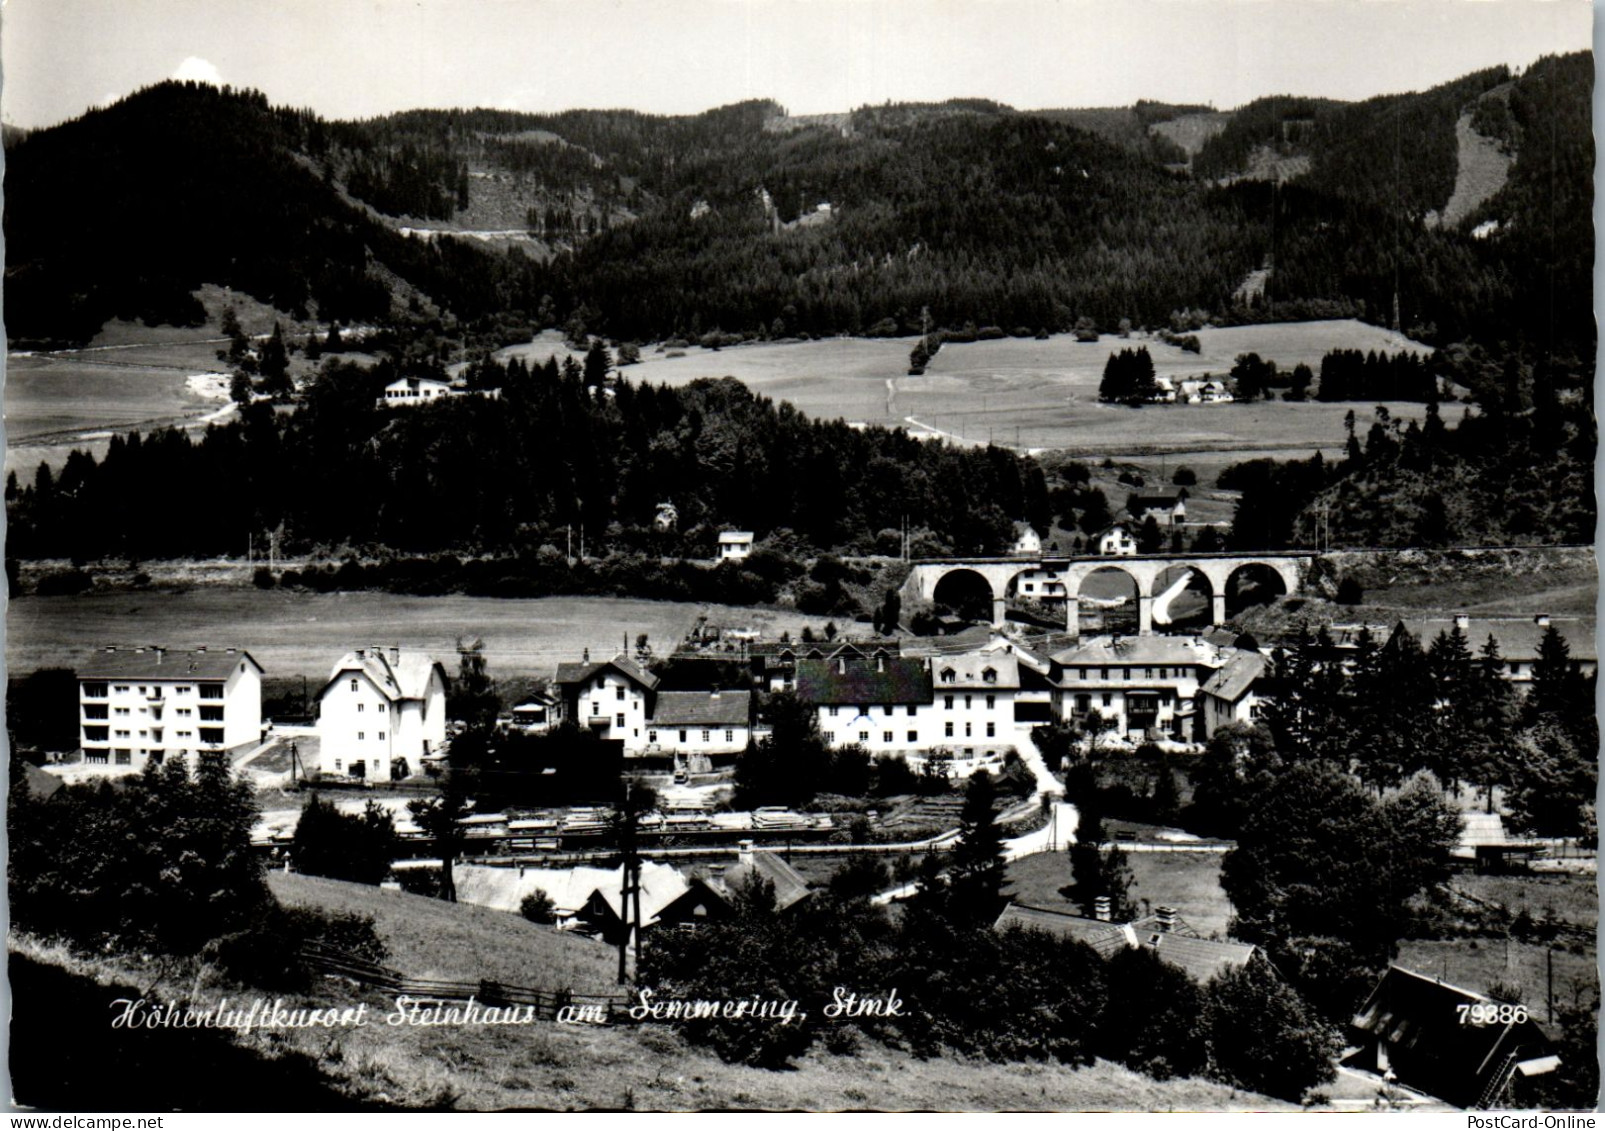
point(593, 1008)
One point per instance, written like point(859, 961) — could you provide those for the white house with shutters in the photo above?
point(381, 713)
point(139, 705)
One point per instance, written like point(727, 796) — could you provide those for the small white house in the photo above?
point(1027, 542)
point(1117, 540)
point(381, 713)
point(415, 390)
point(734, 545)
point(138, 705)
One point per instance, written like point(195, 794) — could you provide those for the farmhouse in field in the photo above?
point(734, 545)
point(1166, 510)
point(1446, 1041)
point(139, 705)
point(1165, 934)
point(1518, 639)
point(381, 713)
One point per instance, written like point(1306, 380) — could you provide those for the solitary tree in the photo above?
point(440, 817)
point(978, 857)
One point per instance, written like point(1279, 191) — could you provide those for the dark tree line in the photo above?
point(476, 475)
point(1353, 375)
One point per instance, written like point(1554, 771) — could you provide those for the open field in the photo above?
point(1474, 964)
point(1187, 881)
point(1033, 394)
point(1568, 899)
point(303, 633)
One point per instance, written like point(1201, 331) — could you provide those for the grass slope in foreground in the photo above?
point(546, 1066)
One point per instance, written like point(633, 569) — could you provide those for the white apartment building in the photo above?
point(620, 700)
point(139, 705)
point(382, 711)
point(1148, 684)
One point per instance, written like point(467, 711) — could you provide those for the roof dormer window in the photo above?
point(947, 675)
point(990, 675)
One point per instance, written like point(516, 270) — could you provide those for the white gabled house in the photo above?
point(415, 390)
point(138, 705)
point(381, 713)
point(734, 545)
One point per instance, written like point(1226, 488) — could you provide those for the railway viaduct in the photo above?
point(1000, 574)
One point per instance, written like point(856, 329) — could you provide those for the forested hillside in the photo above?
point(646, 228)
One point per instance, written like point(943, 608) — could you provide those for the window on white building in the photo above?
point(888, 708)
point(948, 731)
point(1108, 699)
point(991, 730)
point(705, 736)
point(911, 710)
point(353, 685)
point(651, 736)
point(969, 701)
point(381, 736)
point(863, 736)
point(729, 736)
point(361, 707)
point(947, 702)
point(833, 712)
point(913, 736)
point(991, 702)
point(619, 693)
point(886, 736)
point(966, 730)
point(682, 736)
point(361, 735)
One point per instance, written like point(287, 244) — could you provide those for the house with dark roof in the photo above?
point(1455, 1044)
point(619, 699)
point(1170, 937)
point(1518, 639)
point(382, 712)
point(961, 704)
point(139, 705)
point(1165, 510)
point(712, 893)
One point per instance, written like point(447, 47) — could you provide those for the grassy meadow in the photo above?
point(1187, 881)
point(305, 633)
point(1033, 394)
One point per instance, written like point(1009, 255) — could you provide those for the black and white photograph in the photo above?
point(800, 556)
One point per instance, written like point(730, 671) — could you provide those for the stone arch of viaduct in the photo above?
point(999, 573)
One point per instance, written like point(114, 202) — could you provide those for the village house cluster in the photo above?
point(382, 715)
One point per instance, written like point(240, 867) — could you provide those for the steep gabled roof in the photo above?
point(1433, 1046)
point(398, 675)
point(1233, 679)
point(896, 680)
point(969, 671)
point(1199, 959)
point(790, 887)
point(571, 673)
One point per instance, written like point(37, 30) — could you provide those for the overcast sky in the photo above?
point(359, 58)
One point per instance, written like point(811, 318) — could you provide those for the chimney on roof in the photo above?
point(231, 651)
point(111, 648)
point(841, 665)
point(1462, 622)
point(880, 662)
point(1167, 919)
point(158, 649)
point(587, 656)
point(395, 653)
point(1103, 910)
point(200, 648)
point(362, 653)
point(744, 853)
point(1541, 620)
